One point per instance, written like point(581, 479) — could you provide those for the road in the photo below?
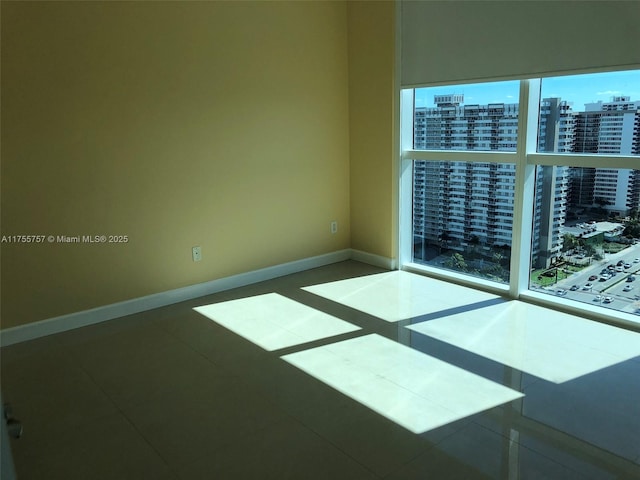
point(621, 300)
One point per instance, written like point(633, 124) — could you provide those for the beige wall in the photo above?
point(371, 110)
point(224, 125)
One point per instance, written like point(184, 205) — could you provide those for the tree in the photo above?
point(589, 249)
point(632, 229)
point(457, 262)
point(474, 243)
point(602, 203)
point(569, 242)
point(444, 239)
point(497, 257)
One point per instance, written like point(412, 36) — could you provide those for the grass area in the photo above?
point(548, 281)
point(612, 247)
point(538, 279)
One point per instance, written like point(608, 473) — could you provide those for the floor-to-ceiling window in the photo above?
point(531, 187)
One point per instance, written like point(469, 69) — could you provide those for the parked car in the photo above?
point(576, 287)
point(620, 263)
point(636, 260)
point(593, 277)
point(620, 269)
point(627, 265)
point(630, 278)
point(560, 292)
point(608, 300)
point(597, 298)
point(627, 288)
point(588, 286)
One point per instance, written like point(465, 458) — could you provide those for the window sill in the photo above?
point(458, 278)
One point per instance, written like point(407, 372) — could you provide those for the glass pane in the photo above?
point(586, 242)
point(467, 117)
point(596, 113)
point(463, 216)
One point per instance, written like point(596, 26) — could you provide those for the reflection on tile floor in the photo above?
point(170, 394)
point(551, 345)
point(398, 295)
point(274, 322)
point(410, 388)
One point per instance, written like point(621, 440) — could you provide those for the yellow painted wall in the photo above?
point(371, 110)
point(224, 125)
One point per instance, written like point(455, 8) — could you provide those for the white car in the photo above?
point(636, 260)
point(627, 288)
point(608, 300)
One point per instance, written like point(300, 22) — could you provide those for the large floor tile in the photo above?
point(124, 347)
point(48, 390)
point(477, 453)
point(273, 321)
point(597, 409)
point(398, 295)
point(174, 366)
point(108, 448)
point(410, 388)
point(286, 450)
point(186, 424)
point(551, 345)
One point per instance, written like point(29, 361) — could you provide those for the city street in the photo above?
point(616, 292)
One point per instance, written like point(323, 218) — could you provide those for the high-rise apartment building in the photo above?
point(608, 128)
point(555, 134)
point(458, 205)
point(556, 131)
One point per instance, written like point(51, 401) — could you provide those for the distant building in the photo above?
point(557, 126)
point(556, 135)
point(608, 128)
point(459, 204)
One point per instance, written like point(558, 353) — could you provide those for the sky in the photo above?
point(579, 89)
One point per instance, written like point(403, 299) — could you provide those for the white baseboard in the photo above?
point(63, 323)
point(372, 259)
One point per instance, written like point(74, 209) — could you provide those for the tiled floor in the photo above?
point(177, 393)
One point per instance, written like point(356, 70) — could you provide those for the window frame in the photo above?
point(526, 158)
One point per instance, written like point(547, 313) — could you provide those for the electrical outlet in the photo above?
point(196, 253)
point(334, 227)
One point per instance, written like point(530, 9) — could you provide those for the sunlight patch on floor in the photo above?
point(551, 345)
point(415, 390)
point(273, 321)
point(398, 295)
